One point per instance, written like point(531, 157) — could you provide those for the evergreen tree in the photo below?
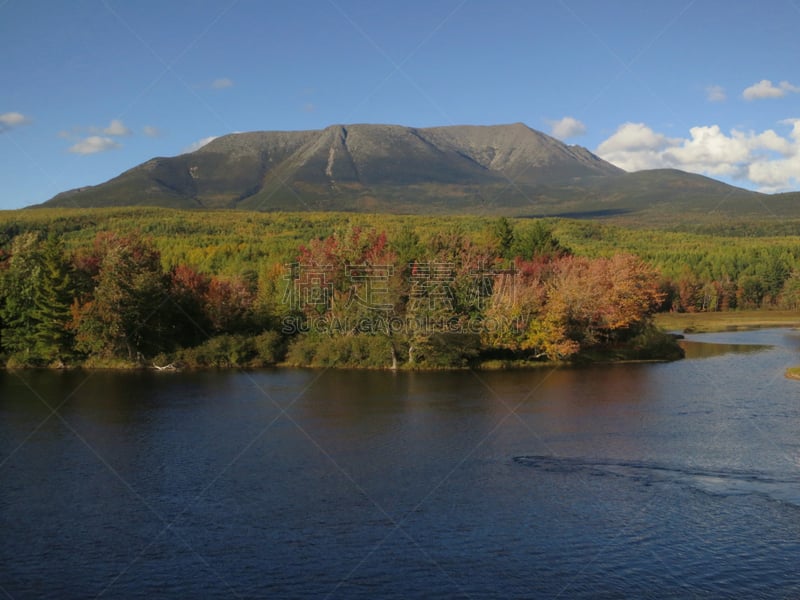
point(17, 310)
point(503, 236)
point(406, 245)
point(53, 297)
point(537, 240)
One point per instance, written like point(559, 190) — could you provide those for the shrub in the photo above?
point(270, 347)
point(227, 350)
point(446, 350)
point(369, 351)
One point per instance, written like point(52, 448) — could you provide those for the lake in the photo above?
point(668, 480)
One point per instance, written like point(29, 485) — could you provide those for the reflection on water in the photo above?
point(695, 349)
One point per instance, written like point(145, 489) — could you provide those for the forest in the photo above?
point(163, 288)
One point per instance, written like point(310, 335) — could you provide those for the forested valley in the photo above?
point(106, 288)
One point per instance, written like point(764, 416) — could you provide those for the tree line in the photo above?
point(356, 296)
point(704, 271)
point(733, 265)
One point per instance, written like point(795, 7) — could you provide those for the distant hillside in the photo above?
point(503, 169)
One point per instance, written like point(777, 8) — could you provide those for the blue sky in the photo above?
point(91, 88)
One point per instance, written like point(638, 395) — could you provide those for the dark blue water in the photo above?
point(632, 481)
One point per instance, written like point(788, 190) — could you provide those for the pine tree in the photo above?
point(53, 296)
point(504, 237)
point(18, 295)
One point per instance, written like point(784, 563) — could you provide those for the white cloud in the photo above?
point(566, 128)
point(766, 89)
point(716, 93)
point(766, 160)
point(151, 131)
point(777, 175)
point(769, 140)
point(12, 119)
point(780, 174)
point(634, 146)
point(795, 123)
point(116, 127)
point(785, 85)
point(100, 139)
point(221, 84)
point(94, 144)
point(199, 144)
point(710, 151)
point(634, 137)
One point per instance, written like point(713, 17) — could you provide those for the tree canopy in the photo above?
point(149, 285)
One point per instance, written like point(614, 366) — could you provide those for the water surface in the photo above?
point(648, 480)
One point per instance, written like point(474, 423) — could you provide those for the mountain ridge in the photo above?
point(509, 169)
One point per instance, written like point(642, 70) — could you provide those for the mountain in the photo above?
point(504, 169)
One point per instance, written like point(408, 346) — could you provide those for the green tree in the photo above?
point(750, 292)
point(18, 285)
point(406, 246)
point(53, 297)
point(790, 296)
point(537, 240)
point(503, 237)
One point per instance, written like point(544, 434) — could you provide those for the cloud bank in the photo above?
point(765, 160)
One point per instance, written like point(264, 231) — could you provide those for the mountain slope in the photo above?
point(504, 169)
point(349, 167)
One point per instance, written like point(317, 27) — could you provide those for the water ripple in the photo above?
point(718, 482)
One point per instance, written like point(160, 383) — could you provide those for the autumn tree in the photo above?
point(228, 305)
point(188, 289)
point(356, 275)
point(126, 316)
point(347, 284)
point(516, 311)
point(555, 307)
point(604, 298)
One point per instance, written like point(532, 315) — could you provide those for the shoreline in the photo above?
point(487, 365)
point(675, 324)
point(719, 322)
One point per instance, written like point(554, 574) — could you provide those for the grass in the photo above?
point(793, 373)
point(711, 322)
